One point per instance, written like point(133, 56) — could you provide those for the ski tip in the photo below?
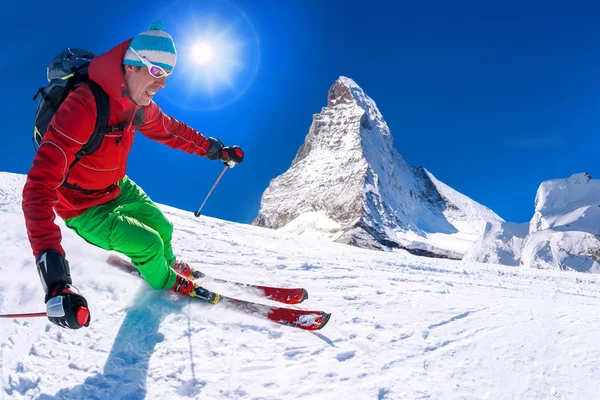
point(326, 317)
point(304, 296)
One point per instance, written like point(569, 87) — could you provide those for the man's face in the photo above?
point(141, 85)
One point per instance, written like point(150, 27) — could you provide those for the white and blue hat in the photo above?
point(155, 45)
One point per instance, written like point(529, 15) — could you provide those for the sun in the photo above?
point(203, 53)
point(218, 55)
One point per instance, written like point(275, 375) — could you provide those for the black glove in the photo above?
point(214, 149)
point(232, 155)
point(65, 306)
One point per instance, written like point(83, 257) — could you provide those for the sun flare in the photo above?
point(218, 55)
point(203, 53)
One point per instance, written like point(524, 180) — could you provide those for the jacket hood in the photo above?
point(107, 70)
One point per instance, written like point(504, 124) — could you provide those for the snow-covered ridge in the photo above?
point(501, 243)
point(350, 185)
point(564, 232)
point(562, 202)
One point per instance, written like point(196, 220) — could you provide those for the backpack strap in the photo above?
point(138, 118)
point(98, 133)
point(101, 128)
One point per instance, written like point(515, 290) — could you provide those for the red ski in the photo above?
point(302, 319)
point(281, 295)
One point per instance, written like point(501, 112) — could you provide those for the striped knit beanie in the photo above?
point(155, 45)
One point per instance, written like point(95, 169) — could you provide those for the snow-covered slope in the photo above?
point(402, 327)
point(564, 232)
point(348, 184)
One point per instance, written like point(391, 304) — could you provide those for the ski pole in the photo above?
point(197, 213)
point(39, 314)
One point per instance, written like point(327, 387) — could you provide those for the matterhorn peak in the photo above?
point(349, 184)
point(342, 92)
point(345, 91)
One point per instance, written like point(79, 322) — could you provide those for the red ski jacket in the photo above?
point(70, 128)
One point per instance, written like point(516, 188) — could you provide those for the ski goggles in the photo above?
point(154, 70)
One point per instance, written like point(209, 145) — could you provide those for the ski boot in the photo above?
point(184, 285)
point(183, 268)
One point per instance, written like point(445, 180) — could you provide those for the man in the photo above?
point(94, 196)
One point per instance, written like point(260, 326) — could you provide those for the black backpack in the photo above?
point(66, 72)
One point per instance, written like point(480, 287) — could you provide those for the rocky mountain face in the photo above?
point(349, 184)
point(564, 232)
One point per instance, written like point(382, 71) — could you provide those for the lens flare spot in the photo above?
point(203, 53)
point(218, 53)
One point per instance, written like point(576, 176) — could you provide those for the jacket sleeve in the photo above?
point(164, 129)
point(69, 129)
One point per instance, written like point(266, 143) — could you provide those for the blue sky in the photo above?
point(491, 97)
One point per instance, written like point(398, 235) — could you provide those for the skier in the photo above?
point(94, 196)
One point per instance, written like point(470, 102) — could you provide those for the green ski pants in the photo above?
point(132, 225)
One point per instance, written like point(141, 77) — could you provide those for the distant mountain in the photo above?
point(348, 184)
point(564, 232)
point(501, 243)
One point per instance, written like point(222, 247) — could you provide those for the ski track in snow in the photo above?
point(402, 327)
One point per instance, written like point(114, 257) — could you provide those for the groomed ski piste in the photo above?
point(402, 327)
